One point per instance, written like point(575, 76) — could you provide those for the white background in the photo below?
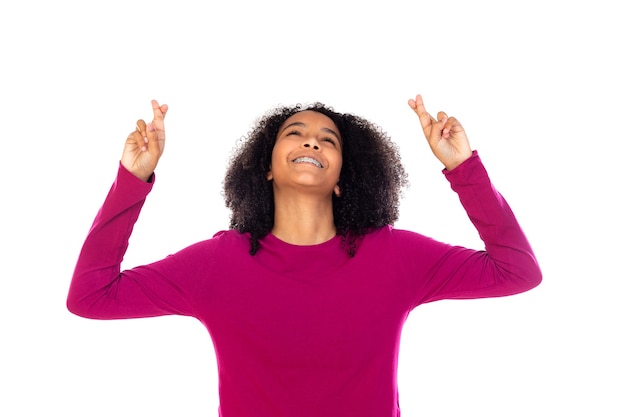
point(538, 85)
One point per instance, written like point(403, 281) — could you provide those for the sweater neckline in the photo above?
point(273, 240)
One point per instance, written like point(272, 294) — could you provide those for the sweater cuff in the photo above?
point(468, 172)
point(129, 182)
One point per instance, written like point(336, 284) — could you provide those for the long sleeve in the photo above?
point(506, 265)
point(98, 288)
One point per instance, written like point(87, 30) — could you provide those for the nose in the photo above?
point(308, 145)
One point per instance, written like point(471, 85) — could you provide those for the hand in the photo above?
point(445, 135)
point(145, 145)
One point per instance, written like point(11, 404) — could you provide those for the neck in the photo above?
point(303, 220)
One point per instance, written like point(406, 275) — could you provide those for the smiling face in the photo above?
point(307, 154)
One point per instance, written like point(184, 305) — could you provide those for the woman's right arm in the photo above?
point(98, 288)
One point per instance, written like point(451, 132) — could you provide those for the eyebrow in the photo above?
point(301, 124)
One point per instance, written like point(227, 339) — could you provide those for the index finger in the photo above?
point(159, 111)
point(417, 105)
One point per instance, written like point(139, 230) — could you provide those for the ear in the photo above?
point(337, 191)
point(269, 175)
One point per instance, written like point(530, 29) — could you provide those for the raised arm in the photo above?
point(99, 288)
point(507, 265)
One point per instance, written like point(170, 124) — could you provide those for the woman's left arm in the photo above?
point(507, 265)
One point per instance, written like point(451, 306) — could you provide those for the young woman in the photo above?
point(306, 294)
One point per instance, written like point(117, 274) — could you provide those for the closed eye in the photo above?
point(330, 139)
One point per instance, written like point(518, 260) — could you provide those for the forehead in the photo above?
point(311, 117)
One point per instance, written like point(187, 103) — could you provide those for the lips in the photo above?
point(308, 160)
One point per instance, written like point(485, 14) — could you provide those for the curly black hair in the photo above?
point(371, 179)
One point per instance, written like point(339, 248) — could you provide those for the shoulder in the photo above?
point(223, 243)
point(230, 238)
point(392, 232)
point(393, 237)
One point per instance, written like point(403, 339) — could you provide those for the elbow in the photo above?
point(79, 307)
point(530, 279)
point(520, 280)
point(535, 276)
point(82, 300)
point(75, 307)
point(526, 274)
point(535, 279)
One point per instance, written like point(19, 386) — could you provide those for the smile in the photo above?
point(307, 160)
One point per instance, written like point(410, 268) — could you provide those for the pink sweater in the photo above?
point(303, 331)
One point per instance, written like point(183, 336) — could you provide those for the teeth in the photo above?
point(306, 159)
